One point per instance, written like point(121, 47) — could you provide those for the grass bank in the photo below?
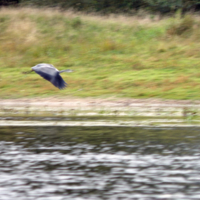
point(111, 56)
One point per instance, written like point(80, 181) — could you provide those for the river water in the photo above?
point(94, 163)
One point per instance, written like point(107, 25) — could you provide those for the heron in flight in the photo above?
point(50, 73)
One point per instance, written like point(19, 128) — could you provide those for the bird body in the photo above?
point(50, 73)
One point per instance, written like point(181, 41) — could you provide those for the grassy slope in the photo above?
point(116, 56)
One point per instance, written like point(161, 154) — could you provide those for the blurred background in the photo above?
point(136, 49)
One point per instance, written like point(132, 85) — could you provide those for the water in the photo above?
point(60, 163)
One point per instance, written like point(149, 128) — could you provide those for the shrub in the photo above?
point(180, 25)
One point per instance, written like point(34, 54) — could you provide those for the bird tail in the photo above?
point(66, 70)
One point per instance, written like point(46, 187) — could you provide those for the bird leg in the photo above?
point(27, 72)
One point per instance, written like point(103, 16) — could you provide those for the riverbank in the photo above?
point(96, 102)
point(99, 112)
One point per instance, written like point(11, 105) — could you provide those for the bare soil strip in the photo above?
point(99, 112)
point(92, 102)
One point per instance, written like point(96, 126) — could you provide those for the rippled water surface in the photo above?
point(58, 163)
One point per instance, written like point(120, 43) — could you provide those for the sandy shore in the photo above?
point(93, 102)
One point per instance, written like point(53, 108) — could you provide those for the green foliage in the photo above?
point(76, 22)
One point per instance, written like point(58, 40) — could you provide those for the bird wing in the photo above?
point(50, 73)
point(45, 74)
point(59, 82)
point(52, 76)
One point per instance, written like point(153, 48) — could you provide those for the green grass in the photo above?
point(116, 56)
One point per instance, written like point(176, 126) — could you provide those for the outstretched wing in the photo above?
point(46, 74)
point(50, 74)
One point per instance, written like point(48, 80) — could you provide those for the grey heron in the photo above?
point(50, 73)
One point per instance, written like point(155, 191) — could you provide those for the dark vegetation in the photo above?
point(110, 6)
point(9, 2)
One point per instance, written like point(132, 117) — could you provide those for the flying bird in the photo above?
point(50, 73)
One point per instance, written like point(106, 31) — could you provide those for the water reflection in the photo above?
point(61, 163)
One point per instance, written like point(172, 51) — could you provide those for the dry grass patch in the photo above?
point(181, 79)
point(24, 31)
point(180, 26)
